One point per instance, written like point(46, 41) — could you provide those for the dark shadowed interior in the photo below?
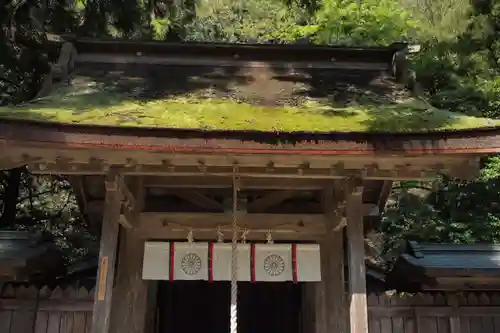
point(199, 306)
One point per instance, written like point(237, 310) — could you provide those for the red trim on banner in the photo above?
point(210, 262)
point(294, 263)
point(252, 263)
point(172, 261)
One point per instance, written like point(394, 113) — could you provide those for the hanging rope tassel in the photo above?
point(234, 262)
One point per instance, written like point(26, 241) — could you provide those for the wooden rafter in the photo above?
point(284, 165)
point(367, 210)
point(269, 200)
point(288, 167)
point(288, 173)
point(198, 199)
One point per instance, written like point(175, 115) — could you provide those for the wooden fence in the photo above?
point(29, 310)
point(435, 313)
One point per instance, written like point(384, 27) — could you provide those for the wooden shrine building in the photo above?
point(447, 267)
point(219, 144)
point(26, 258)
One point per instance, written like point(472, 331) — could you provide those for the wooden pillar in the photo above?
point(324, 303)
point(358, 312)
point(133, 302)
point(107, 257)
point(130, 304)
point(332, 284)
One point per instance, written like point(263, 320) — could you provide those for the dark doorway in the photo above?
point(267, 307)
point(197, 306)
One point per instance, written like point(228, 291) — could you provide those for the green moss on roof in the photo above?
point(265, 108)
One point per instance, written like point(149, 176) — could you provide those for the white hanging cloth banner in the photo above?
point(156, 263)
point(189, 261)
point(307, 262)
point(221, 262)
point(272, 262)
point(286, 262)
point(212, 262)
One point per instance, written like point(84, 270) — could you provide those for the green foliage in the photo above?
point(24, 53)
point(441, 20)
point(246, 21)
point(458, 67)
point(160, 28)
point(457, 212)
point(463, 73)
point(46, 205)
point(460, 70)
point(379, 22)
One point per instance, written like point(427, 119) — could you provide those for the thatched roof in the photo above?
point(231, 87)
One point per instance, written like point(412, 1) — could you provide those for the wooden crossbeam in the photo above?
point(269, 200)
point(198, 199)
point(205, 225)
point(172, 225)
point(226, 183)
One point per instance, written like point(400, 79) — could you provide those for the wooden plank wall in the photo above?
point(31, 310)
point(435, 313)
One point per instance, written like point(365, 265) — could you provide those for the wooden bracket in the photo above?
point(333, 206)
point(111, 182)
point(132, 200)
point(340, 225)
point(128, 199)
point(354, 186)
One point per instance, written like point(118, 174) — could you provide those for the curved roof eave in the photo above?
point(478, 141)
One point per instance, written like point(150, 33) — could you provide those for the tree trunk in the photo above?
point(10, 197)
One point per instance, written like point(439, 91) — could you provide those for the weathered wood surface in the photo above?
point(358, 316)
point(435, 313)
point(333, 280)
point(323, 303)
point(31, 310)
point(130, 295)
point(70, 311)
point(64, 159)
point(107, 256)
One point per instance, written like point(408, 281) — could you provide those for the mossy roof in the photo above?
point(245, 98)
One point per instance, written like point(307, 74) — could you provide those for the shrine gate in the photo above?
point(240, 166)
